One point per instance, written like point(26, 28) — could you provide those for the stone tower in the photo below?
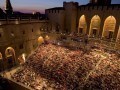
point(71, 9)
point(100, 2)
point(8, 7)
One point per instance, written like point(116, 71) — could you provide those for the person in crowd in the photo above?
point(54, 67)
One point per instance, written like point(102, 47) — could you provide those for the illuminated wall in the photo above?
point(109, 26)
point(82, 25)
point(21, 37)
point(95, 26)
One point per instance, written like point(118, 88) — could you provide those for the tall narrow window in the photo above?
point(21, 46)
point(0, 35)
point(32, 30)
point(23, 32)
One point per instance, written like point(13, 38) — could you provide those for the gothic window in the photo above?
point(12, 32)
point(23, 32)
point(21, 46)
point(0, 35)
point(32, 30)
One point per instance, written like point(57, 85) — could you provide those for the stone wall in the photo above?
point(70, 16)
point(21, 37)
point(103, 12)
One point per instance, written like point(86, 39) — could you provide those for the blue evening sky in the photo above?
point(41, 5)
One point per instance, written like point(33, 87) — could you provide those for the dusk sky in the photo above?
point(41, 5)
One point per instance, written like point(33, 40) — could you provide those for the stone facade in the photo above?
point(20, 38)
point(92, 19)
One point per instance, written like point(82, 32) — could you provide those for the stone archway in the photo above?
point(95, 26)
point(109, 27)
point(82, 25)
point(10, 56)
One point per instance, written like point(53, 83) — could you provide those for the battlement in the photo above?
point(23, 21)
point(70, 4)
point(100, 7)
point(100, 2)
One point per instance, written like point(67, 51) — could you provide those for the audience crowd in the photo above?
point(53, 67)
